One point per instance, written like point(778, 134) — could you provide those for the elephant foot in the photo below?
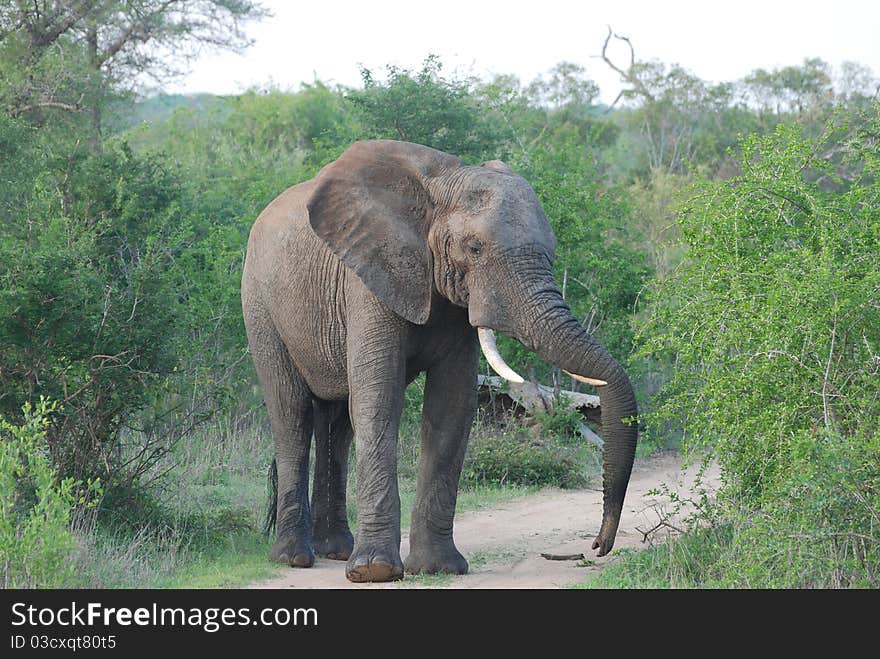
point(436, 559)
point(335, 543)
point(374, 565)
point(292, 551)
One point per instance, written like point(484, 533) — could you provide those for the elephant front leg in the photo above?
point(376, 386)
point(450, 403)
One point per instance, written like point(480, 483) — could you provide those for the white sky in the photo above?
point(718, 41)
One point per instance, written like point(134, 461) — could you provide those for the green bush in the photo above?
point(770, 318)
point(562, 423)
point(773, 328)
point(814, 530)
point(817, 528)
point(111, 303)
point(36, 544)
point(510, 457)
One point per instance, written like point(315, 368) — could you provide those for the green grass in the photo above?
point(484, 557)
point(209, 557)
point(686, 562)
point(197, 526)
point(737, 554)
point(634, 570)
point(239, 560)
point(426, 581)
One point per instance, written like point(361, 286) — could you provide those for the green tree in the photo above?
point(231, 158)
point(425, 108)
point(791, 90)
point(92, 300)
point(773, 326)
point(566, 88)
point(74, 56)
point(282, 122)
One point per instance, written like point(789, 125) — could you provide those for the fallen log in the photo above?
point(531, 396)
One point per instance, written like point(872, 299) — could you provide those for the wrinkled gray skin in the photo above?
point(379, 268)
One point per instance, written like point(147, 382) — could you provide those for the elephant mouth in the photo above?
point(489, 347)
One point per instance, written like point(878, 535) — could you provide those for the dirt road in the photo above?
point(504, 544)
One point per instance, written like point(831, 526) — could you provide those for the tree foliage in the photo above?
point(773, 324)
point(71, 56)
point(91, 301)
point(425, 108)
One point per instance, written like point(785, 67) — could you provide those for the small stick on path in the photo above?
point(563, 557)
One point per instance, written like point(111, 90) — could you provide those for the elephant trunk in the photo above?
point(558, 338)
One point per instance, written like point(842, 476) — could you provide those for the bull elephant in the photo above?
point(398, 259)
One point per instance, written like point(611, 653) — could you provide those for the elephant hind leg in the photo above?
point(331, 535)
point(289, 405)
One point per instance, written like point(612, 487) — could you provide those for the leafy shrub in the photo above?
point(36, 544)
point(774, 329)
point(770, 319)
point(561, 423)
point(517, 458)
point(814, 531)
point(817, 528)
point(95, 308)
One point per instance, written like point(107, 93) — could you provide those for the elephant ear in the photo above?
point(372, 208)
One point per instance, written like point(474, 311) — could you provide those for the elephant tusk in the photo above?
point(585, 380)
point(490, 350)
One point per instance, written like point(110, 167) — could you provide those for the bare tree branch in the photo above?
point(663, 523)
point(626, 75)
point(138, 30)
point(66, 15)
point(46, 104)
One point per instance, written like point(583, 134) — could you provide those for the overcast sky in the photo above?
point(718, 41)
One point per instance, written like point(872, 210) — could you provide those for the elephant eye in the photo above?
point(474, 246)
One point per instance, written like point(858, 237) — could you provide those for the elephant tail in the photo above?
point(272, 489)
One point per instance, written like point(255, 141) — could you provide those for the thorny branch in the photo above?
point(825, 407)
point(663, 522)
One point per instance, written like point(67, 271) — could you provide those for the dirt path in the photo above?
point(504, 544)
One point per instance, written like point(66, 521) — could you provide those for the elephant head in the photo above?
point(417, 225)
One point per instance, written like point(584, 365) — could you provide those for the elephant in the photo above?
point(394, 260)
